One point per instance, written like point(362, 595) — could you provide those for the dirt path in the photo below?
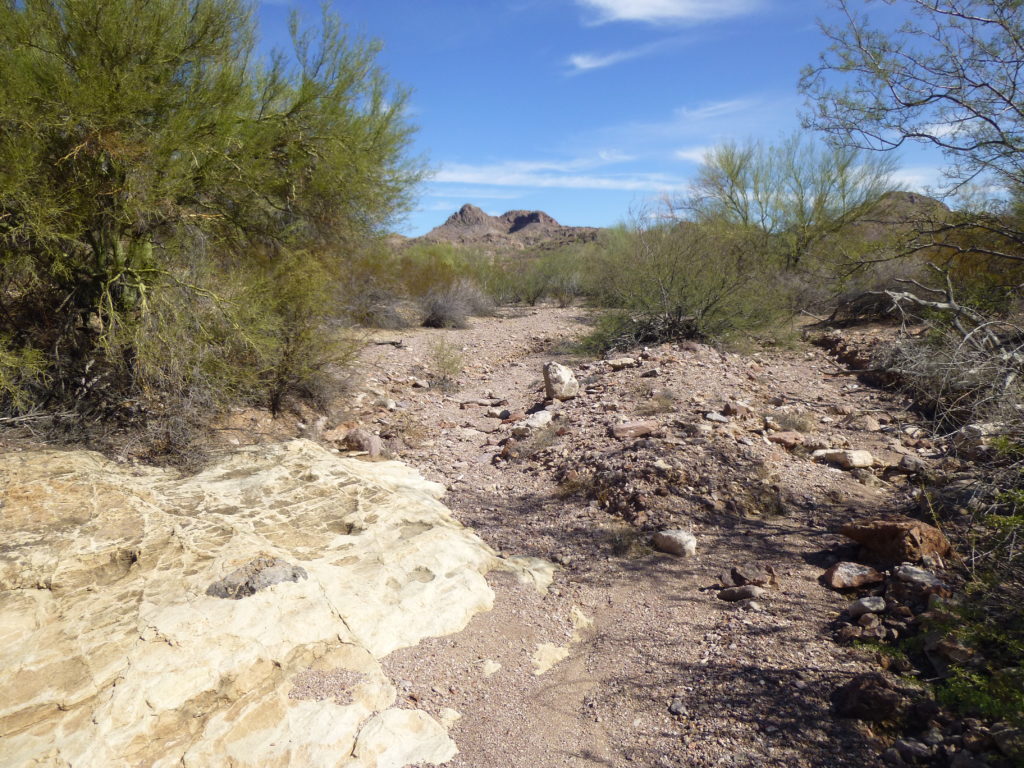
point(659, 671)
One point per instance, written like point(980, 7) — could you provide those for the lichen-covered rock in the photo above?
point(118, 647)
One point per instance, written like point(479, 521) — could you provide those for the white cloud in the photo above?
point(668, 11)
point(549, 175)
point(583, 62)
point(918, 178)
point(473, 192)
point(693, 154)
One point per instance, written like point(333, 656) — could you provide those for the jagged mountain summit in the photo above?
point(514, 230)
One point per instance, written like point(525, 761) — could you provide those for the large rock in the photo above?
point(676, 542)
point(845, 459)
point(846, 575)
point(559, 382)
point(899, 540)
point(867, 697)
point(154, 620)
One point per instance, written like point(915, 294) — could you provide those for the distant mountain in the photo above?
point(514, 230)
point(899, 213)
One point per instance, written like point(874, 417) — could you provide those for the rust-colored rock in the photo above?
point(634, 429)
point(788, 440)
point(899, 540)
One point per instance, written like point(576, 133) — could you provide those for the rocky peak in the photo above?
point(467, 216)
point(512, 230)
point(517, 220)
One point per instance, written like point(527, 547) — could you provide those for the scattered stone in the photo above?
point(257, 574)
point(737, 408)
point(892, 757)
point(846, 575)
point(917, 577)
point(716, 417)
point(633, 429)
point(864, 422)
point(1009, 741)
point(420, 384)
point(360, 439)
point(912, 750)
point(532, 423)
point(497, 413)
point(559, 382)
point(747, 592)
point(911, 465)
point(750, 573)
point(676, 542)
point(651, 373)
point(898, 541)
point(788, 440)
point(867, 697)
point(868, 620)
point(676, 707)
point(866, 605)
point(620, 363)
point(848, 633)
point(846, 459)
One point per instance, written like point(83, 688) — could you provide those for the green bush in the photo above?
point(175, 211)
point(676, 280)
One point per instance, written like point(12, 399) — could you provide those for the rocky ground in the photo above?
point(659, 670)
point(748, 637)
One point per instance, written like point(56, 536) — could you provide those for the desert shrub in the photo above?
point(174, 211)
point(22, 370)
point(675, 280)
point(450, 306)
point(557, 275)
point(446, 362)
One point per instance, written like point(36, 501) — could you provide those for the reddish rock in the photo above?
point(738, 409)
point(851, 575)
point(634, 429)
point(788, 440)
point(899, 540)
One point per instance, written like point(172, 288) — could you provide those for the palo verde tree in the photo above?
point(948, 76)
point(791, 196)
point(162, 184)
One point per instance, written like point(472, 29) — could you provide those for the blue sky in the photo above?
point(586, 109)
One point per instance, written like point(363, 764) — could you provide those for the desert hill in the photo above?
point(513, 230)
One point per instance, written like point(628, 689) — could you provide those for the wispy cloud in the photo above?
point(668, 11)
point(692, 154)
point(584, 62)
point(554, 175)
point(475, 193)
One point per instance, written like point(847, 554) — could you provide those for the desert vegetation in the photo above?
point(187, 227)
point(176, 212)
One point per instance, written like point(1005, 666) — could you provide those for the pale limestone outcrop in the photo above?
point(114, 653)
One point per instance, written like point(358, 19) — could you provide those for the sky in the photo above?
point(590, 110)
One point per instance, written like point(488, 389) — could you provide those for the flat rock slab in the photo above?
point(118, 647)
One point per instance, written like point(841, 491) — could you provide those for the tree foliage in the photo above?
point(795, 193)
point(149, 155)
point(949, 76)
